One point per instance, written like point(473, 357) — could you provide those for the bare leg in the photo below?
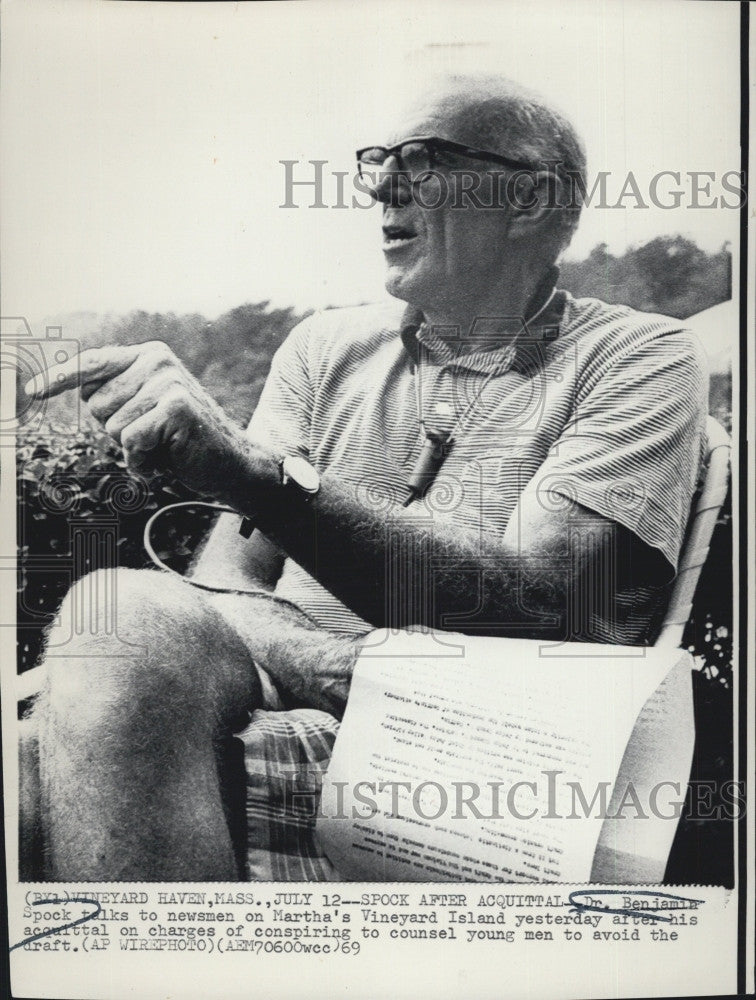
point(129, 782)
point(31, 846)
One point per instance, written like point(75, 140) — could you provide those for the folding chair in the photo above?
point(703, 518)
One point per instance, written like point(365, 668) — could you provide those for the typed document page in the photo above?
point(501, 763)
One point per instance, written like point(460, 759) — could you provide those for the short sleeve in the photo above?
point(282, 418)
point(633, 448)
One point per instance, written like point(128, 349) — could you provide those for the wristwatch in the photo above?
point(296, 474)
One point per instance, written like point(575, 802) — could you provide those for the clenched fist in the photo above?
point(147, 400)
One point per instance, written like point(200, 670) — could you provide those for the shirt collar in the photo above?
point(522, 353)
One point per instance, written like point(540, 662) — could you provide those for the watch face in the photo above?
point(300, 471)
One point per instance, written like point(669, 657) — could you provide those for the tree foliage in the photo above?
point(670, 275)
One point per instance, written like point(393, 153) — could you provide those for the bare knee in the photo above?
point(126, 607)
point(154, 669)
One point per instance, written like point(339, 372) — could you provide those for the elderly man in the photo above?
point(488, 455)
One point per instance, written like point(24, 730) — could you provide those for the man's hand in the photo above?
point(147, 400)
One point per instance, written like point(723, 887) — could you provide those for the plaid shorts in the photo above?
point(286, 754)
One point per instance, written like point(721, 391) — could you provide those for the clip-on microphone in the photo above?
point(432, 455)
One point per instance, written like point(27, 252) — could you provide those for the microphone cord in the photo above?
point(212, 588)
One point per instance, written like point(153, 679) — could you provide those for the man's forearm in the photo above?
point(396, 571)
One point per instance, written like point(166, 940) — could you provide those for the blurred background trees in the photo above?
point(670, 275)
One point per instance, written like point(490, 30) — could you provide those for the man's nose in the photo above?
point(390, 184)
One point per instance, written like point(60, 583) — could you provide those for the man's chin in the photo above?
point(400, 284)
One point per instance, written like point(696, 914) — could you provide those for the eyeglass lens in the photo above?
point(412, 156)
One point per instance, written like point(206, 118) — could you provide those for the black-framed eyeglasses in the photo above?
point(419, 154)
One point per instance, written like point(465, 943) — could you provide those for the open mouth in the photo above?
point(397, 236)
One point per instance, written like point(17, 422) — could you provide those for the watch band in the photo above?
point(297, 474)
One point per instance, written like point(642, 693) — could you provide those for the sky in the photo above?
point(142, 141)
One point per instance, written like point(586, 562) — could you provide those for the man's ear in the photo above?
point(533, 196)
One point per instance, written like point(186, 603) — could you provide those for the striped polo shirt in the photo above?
point(596, 403)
